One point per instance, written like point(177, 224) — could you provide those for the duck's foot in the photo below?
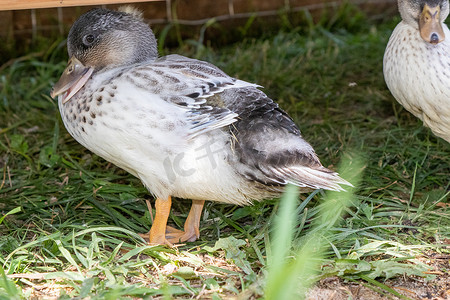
point(174, 235)
point(191, 225)
point(161, 234)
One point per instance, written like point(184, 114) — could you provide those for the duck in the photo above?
point(416, 63)
point(182, 126)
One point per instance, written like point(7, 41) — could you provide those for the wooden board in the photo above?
point(29, 4)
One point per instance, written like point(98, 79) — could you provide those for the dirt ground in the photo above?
point(410, 287)
point(331, 288)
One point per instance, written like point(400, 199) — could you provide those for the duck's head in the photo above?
point(427, 16)
point(102, 39)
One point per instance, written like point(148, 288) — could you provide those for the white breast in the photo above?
point(418, 76)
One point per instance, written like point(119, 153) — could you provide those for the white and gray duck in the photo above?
point(182, 126)
point(417, 63)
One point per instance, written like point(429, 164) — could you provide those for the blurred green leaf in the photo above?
point(19, 144)
point(186, 273)
point(231, 246)
point(48, 158)
point(8, 289)
point(11, 212)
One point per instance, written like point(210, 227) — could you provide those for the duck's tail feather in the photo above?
point(315, 178)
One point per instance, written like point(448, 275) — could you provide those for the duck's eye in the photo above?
point(88, 39)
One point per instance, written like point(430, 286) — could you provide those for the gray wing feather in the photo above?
point(193, 85)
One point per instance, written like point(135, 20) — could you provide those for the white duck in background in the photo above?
point(181, 125)
point(416, 63)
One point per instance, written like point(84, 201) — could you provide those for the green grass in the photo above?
point(73, 218)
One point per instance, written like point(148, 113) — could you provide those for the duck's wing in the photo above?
point(269, 146)
point(193, 85)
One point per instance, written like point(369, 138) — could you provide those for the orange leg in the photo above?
point(191, 226)
point(161, 233)
point(158, 231)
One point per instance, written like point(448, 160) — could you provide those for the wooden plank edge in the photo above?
point(33, 4)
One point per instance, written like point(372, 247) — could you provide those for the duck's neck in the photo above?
point(147, 50)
